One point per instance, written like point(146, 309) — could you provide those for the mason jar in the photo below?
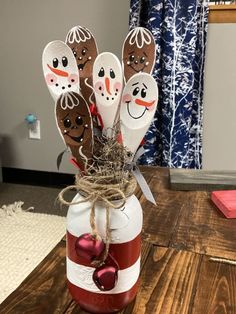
point(125, 247)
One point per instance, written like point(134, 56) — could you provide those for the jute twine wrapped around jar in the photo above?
point(105, 179)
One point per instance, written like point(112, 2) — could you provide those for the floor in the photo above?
point(43, 199)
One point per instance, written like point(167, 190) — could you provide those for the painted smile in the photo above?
point(145, 109)
point(82, 65)
point(77, 139)
point(137, 71)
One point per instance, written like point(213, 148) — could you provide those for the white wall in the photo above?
point(219, 125)
point(26, 26)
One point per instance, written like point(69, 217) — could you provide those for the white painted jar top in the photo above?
point(125, 222)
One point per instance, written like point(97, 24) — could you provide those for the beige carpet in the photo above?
point(25, 239)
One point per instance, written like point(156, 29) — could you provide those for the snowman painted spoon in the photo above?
point(60, 69)
point(75, 125)
point(107, 82)
point(138, 106)
point(138, 52)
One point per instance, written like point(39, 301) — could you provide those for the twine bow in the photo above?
point(94, 192)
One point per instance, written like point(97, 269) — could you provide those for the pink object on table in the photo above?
point(226, 202)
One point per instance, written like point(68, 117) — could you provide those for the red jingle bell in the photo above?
point(88, 247)
point(105, 277)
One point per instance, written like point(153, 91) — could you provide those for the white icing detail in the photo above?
point(137, 32)
point(78, 34)
point(91, 87)
point(82, 277)
point(147, 63)
point(128, 62)
point(83, 156)
point(64, 101)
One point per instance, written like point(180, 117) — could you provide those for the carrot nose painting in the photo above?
point(139, 52)
point(108, 83)
point(60, 69)
point(138, 106)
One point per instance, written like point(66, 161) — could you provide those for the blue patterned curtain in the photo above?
point(179, 28)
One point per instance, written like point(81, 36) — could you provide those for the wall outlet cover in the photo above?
point(34, 131)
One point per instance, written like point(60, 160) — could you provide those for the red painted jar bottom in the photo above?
point(102, 303)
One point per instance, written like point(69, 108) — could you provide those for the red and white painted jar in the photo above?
point(125, 247)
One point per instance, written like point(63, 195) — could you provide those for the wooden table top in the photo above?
point(180, 236)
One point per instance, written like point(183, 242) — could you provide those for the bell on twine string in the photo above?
point(89, 247)
point(106, 275)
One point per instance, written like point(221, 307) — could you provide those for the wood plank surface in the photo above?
point(216, 289)
point(44, 291)
point(159, 221)
point(202, 228)
point(202, 180)
point(167, 282)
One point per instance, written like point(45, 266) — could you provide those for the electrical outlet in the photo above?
point(34, 131)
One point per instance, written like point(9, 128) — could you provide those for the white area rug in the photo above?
point(25, 239)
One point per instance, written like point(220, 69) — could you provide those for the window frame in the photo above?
point(222, 13)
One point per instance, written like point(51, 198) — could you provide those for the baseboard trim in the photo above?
point(35, 177)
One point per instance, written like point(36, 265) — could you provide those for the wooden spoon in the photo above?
point(84, 47)
point(138, 106)
point(108, 83)
point(60, 69)
point(75, 125)
point(139, 52)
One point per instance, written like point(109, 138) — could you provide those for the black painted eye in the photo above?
point(79, 120)
point(83, 52)
point(135, 91)
point(101, 73)
point(112, 74)
point(55, 62)
point(143, 93)
point(64, 61)
point(67, 123)
point(142, 59)
point(74, 52)
point(131, 58)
